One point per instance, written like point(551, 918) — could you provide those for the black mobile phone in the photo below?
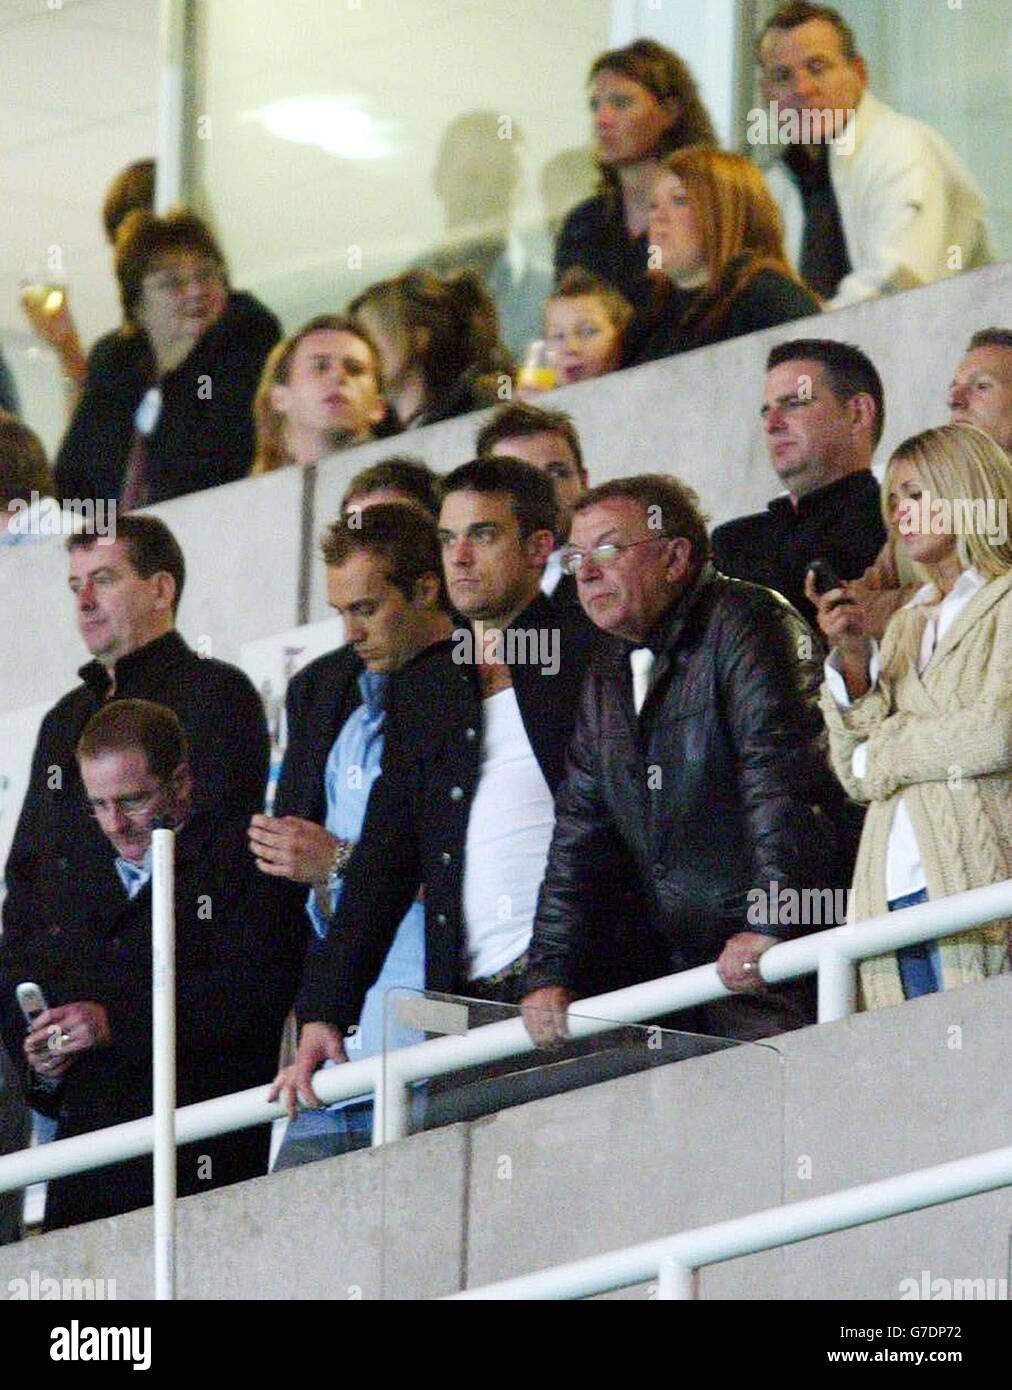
point(824, 576)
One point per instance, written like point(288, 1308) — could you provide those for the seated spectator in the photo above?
point(548, 440)
point(823, 414)
point(981, 390)
point(236, 967)
point(132, 188)
point(644, 104)
point(398, 479)
point(919, 728)
point(710, 697)
point(719, 237)
point(872, 201)
point(586, 322)
point(319, 392)
point(438, 344)
point(26, 484)
point(384, 578)
point(167, 406)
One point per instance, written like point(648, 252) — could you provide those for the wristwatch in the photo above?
point(325, 898)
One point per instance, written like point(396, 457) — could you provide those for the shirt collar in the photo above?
point(153, 656)
point(828, 497)
point(969, 582)
point(372, 686)
point(134, 876)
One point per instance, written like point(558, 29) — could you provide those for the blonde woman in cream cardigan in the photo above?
point(921, 728)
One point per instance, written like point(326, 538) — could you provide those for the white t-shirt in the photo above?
point(904, 869)
point(508, 834)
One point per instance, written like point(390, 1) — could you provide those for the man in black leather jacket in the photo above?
point(718, 787)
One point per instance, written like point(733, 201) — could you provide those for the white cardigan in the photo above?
point(906, 203)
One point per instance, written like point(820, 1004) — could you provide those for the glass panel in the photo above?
point(344, 140)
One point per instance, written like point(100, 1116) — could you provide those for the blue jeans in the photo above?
point(920, 970)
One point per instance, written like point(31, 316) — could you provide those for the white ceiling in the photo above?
point(78, 101)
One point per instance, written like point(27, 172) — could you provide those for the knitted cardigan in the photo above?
point(941, 741)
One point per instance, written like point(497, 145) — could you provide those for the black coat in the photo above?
point(721, 786)
point(841, 523)
point(239, 942)
point(416, 824)
point(318, 703)
point(205, 434)
point(229, 752)
point(594, 236)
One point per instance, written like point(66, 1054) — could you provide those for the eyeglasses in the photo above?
point(131, 807)
point(602, 555)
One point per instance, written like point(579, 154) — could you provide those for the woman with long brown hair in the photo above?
point(644, 104)
point(720, 240)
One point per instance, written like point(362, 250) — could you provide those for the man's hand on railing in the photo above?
point(318, 1043)
point(544, 1013)
point(738, 963)
point(59, 1034)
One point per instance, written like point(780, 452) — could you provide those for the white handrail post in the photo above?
point(390, 1105)
point(837, 978)
point(171, 104)
point(675, 1280)
point(163, 1000)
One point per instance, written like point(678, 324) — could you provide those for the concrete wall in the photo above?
point(695, 415)
point(628, 1160)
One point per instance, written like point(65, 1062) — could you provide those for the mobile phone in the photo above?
point(31, 1000)
point(824, 576)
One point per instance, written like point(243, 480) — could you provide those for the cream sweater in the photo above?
point(941, 741)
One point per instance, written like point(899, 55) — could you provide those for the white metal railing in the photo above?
point(832, 954)
point(673, 1260)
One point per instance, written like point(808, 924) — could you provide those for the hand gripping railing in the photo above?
point(833, 954)
point(673, 1260)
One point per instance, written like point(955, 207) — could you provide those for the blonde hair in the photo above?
point(271, 449)
point(740, 222)
point(963, 466)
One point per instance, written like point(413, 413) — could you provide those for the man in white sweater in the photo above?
point(872, 201)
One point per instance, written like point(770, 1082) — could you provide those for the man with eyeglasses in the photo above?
point(697, 757)
point(823, 413)
point(238, 947)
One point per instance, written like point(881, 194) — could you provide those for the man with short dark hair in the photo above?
point(383, 577)
point(400, 478)
point(873, 201)
point(548, 440)
point(126, 592)
point(981, 390)
point(476, 733)
point(699, 748)
point(823, 413)
point(238, 948)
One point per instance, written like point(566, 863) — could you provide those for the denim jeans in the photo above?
point(920, 970)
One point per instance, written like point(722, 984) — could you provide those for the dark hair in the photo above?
point(577, 283)
point(849, 371)
point(991, 337)
point(401, 473)
point(125, 724)
point(793, 13)
point(518, 420)
point(142, 236)
point(404, 537)
point(459, 317)
point(150, 546)
point(24, 468)
point(530, 491)
point(271, 452)
point(675, 503)
point(132, 188)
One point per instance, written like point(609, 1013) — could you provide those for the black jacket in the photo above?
point(229, 751)
point(205, 433)
point(319, 701)
point(239, 942)
point(720, 787)
point(841, 523)
point(416, 825)
point(594, 236)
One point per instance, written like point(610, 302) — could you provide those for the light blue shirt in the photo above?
point(352, 767)
point(134, 877)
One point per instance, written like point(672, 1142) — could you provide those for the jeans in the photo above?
point(919, 965)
